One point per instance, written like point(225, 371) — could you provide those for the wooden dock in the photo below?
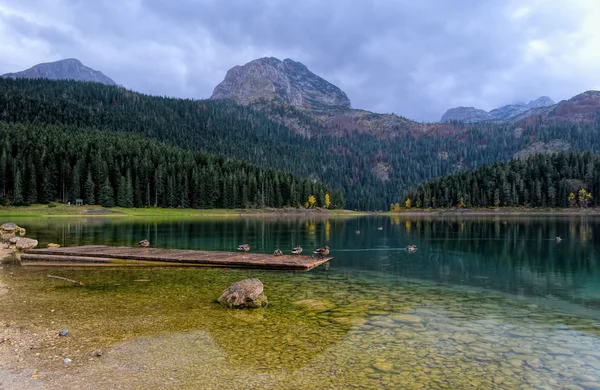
point(102, 255)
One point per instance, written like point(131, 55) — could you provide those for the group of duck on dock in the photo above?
point(323, 251)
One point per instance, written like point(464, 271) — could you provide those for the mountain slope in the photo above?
point(584, 107)
point(504, 113)
point(286, 81)
point(68, 69)
point(351, 149)
point(40, 163)
point(304, 102)
point(539, 181)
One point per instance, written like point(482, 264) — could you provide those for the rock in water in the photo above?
point(22, 243)
point(248, 293)
point(9, 227)
point(96, 353)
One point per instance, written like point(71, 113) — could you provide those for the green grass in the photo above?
point(42, 210)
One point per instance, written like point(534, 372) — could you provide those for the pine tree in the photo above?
point(106, 198)
point(75, 187)
point(125, 192)
point(31, 188)
point(89, 190)
point(18, 190)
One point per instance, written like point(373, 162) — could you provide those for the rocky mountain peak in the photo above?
point(504, 113)
point(465, 114)
point(542, 101)
point(287, 81)
point(67, 69)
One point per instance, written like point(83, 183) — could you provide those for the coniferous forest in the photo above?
point(44, 163)
point(367, 172)
point(554, 180)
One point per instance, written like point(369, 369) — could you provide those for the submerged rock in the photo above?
point(385, 367)
point(96, 353)
point(315, 305)
point(248, 293)
point(406, 318)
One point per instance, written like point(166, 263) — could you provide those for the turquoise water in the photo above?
point(482, 303)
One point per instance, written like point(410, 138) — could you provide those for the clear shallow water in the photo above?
point(482, 303)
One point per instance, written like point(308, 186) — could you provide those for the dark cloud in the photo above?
point(413, 58)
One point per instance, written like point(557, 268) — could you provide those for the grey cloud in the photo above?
point(413, 58)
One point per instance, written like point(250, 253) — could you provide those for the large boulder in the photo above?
point(248, 293)
point(9, 227)
point(22, 243)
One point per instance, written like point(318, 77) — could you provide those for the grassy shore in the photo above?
point(42, 210)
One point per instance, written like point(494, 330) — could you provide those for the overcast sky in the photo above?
point(414, 58)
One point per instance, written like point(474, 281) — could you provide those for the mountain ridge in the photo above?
point(66, 69)
point(504, 113)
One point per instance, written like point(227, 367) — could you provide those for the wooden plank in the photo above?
point(86, 254)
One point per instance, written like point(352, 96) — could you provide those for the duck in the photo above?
point(357, 232)
point(278, 252)
point(380, 228)
point(558, 239)
point(323, 252)
point(243, 247)
point(411, 248)
point(297, 250)
point(144, 243)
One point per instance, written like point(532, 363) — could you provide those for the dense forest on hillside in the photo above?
point(44, 163)
point(555, 180)
point(372, 172)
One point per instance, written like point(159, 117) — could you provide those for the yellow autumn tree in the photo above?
point(310, 203)
point(461, 203)
point(327, 201)
point(584, 197)
point(572, 199)
point(407, 203)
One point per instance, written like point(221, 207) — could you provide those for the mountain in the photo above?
point(584, 107)
point(68, 69)
point(287, 81)
point(374, 158)
point(504, 113)
point(309, 105)
point(466, 115)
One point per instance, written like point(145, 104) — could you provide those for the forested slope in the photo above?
point(43, 163)
point(373, 172)
point(555, 180)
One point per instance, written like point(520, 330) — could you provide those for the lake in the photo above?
point(489, 302)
